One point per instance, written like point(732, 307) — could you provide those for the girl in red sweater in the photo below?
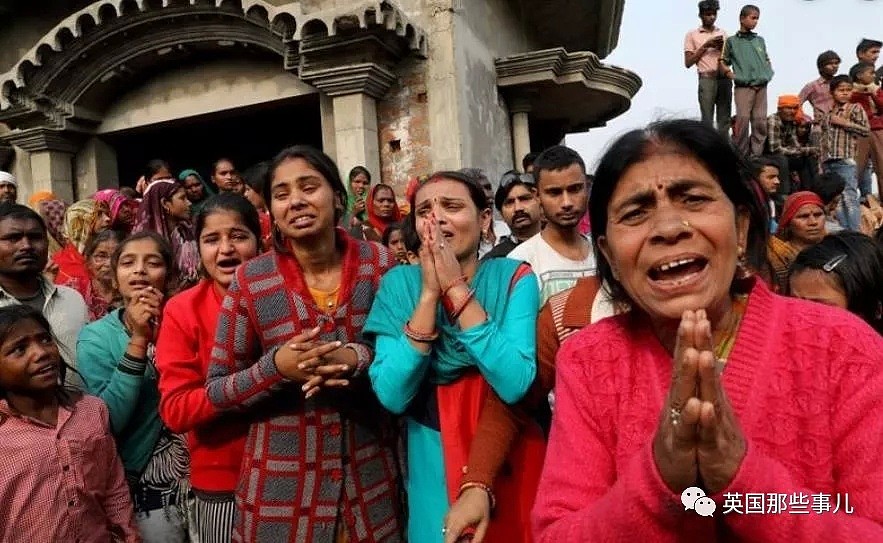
point(228, 232)
point(768, 405)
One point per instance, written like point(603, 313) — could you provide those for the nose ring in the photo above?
point(686, 224)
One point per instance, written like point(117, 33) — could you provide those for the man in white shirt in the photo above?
point(559, 254)
point(24, 250)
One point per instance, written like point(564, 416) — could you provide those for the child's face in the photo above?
point(769, 179)
point(830, 69)
point(865, 77)
point(749, 22)
point(871, 55)
point(140, 265)
point(708, 18)
point(842, 92)
point(29, 359)
point(397, 246)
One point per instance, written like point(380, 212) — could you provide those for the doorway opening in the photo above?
point(246, 136)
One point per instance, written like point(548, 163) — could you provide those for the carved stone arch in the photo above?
point(107, 13)
point(79, 67)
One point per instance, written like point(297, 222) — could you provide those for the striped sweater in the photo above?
point(308, 463)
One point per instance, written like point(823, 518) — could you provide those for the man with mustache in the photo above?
point(24, 250)
point(559, 254)
point(516, 200)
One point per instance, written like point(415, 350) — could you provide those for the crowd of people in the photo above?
point(286, 354)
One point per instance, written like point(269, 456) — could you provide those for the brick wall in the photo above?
point(403, 125)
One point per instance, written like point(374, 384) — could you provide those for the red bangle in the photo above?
point(420, 337)
point(459, 310)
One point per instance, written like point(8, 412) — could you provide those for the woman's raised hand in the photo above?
point(721, 444)
point(674, 446)
point(698, 436)
point(427, 262)
point(447, 268)
point(144, 311)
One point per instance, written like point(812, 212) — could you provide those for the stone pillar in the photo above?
point(96, 167)
point(355, 133)
point(51, 155)
point(520, 110)
point(353, 90)
point(326, 112)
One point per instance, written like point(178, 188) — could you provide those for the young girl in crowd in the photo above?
point(97, 287)
point(165, 210)
point(116, 355)
point(228, 232)
point(60, 478)
point(844, 270)
point(319, 462)
point(453, 337)
point(393, 240)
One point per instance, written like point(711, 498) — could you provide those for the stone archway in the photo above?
point(55, 96)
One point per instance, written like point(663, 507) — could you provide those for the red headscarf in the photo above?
point(793, 204)
point(376, 222)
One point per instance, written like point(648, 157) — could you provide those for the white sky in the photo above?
point(651, 43)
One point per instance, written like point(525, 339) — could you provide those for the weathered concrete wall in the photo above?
point(204, 88)
point(404, 122)
point(483, 31)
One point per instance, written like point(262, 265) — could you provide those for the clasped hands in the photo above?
point(314, 363)
point(439, 266)
point(698, 441)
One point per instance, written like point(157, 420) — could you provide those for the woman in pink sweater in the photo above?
point(768, 405)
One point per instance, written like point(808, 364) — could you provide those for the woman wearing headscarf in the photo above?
point(165, 210)
point(198, 191)
point(802, 225)
point(712, 389)
point(383, 212)
point(121, 209)
point(358, 182)
point(52, 213)
point(40, 196)
point(81, 221)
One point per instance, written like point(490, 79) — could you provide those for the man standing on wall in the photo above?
point(702, 48)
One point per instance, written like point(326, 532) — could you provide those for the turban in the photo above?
point(7, 178)
point(40, 196)
point(789, 100)
point(793, 204)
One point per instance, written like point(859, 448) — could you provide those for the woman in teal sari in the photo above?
point(455, 345)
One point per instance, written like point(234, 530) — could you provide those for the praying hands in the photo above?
point(698, 441)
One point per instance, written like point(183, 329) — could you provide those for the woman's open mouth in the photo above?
point(679, 271)
point(229, 265)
